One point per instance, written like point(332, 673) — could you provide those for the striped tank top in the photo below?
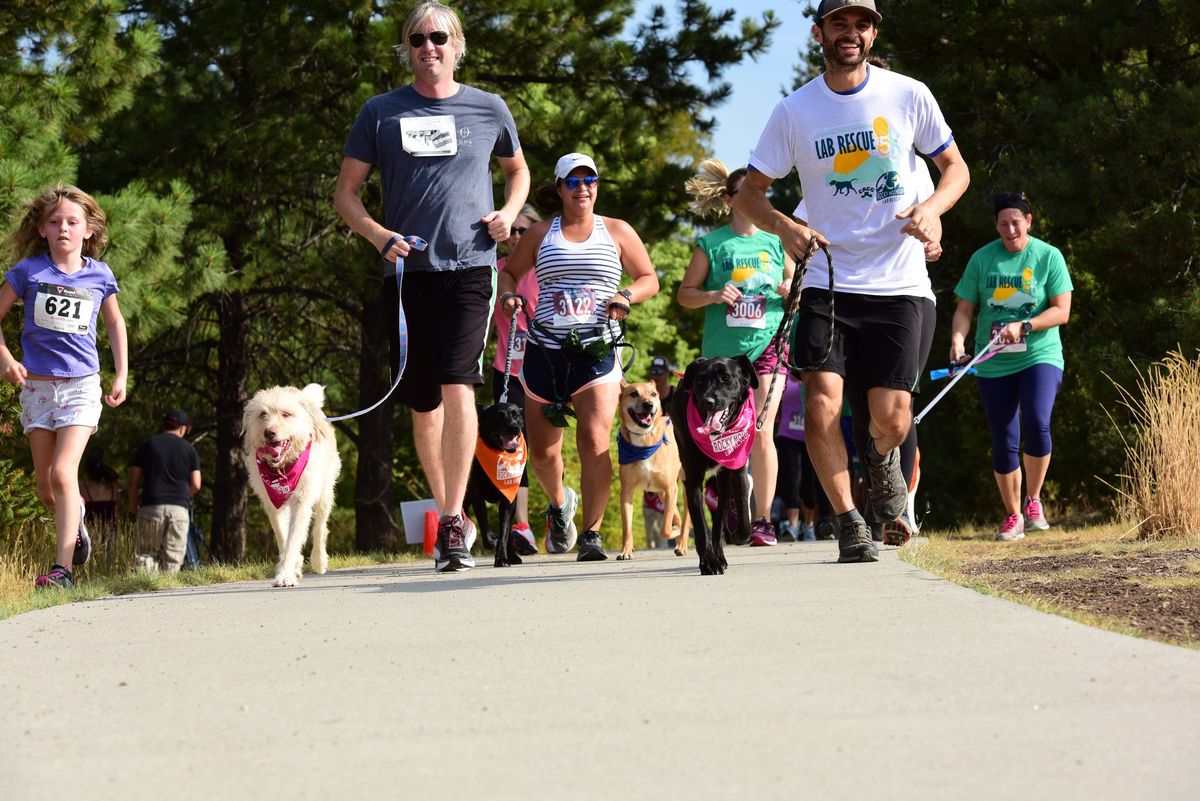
point(575, 282)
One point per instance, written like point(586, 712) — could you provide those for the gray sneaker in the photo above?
point(898, 531)
point(889, 490)
point(452, 551)
point(591, 549)
point(560, 523)
point(855, 544)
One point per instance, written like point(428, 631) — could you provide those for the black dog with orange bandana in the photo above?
point(500, 457)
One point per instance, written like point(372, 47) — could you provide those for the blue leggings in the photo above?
point(1032, 392)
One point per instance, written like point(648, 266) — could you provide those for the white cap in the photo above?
point(570, 162)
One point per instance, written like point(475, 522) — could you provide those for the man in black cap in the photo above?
point(171, 468)
point(855, 134)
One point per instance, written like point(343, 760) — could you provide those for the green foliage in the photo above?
point(19, 501)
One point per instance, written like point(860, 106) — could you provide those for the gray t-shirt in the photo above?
point(434, 159)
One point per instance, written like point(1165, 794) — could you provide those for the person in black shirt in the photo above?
point(171, 469)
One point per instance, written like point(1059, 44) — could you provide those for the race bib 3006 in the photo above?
point(748, 311)
point(63, 309)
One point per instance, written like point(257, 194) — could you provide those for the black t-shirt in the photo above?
point(167, 462)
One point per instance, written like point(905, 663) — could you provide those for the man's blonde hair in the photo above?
point(445, 16)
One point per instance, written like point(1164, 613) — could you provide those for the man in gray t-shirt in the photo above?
point(433, 141)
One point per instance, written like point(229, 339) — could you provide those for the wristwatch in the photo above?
point(625, 291)
point(1026, 328)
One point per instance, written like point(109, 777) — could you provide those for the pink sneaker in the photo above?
point(1012, 529)
point(1034, 519)
point(762, 534)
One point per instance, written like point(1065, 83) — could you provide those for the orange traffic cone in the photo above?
point(431, 526)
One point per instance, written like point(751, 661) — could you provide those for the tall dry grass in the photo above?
point(1160, 490)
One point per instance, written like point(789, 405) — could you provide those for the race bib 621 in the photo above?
point(63, 308)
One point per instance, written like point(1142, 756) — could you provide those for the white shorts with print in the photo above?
point(54, 403)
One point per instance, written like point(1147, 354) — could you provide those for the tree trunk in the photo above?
point(229, 479)
point(375, 524)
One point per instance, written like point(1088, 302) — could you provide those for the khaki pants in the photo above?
point(162, 531)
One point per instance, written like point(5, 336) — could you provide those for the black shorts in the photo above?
point(447, 314)
point(550, 376)
point(876, 339)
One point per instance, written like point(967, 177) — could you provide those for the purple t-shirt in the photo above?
point(58, 337)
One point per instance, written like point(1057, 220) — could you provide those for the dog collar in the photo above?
point(503, 469)
point(628, 453)
point(280, 484)
point(729, 447)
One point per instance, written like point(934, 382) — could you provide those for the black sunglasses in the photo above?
point(517, 230)
point(439, 38)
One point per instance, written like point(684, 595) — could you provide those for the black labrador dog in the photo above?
point(500, 457)
point(720, 429)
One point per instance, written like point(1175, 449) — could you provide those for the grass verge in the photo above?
point(1097, 575)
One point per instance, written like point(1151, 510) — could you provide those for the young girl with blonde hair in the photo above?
point(63, 289)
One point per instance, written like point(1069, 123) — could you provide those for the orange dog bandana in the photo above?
point(503, 468)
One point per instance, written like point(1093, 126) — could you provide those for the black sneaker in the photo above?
point(590, 548)
point(58, 576)
point(889, 490)
point(855, 545)
point(452, 552)
point(826, 529)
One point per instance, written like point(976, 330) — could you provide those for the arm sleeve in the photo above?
point(507, 141)
point(931, 133)
point(968, 286)
point(1058, 279)
point(774, 155)
point(360, 144)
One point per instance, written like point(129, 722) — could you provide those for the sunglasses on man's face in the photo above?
point(439, 38)
point(573, 182)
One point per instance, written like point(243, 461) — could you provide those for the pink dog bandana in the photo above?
point(728, 447)
point(281, 484)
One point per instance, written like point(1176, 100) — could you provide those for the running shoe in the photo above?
point(521, 540)
point(898, 531)
point(889, 490)
point(826, 529)
point(591, 549)
point(762, 533)
point(854, 543)
point(83, 541)
point(1035, 519)
point(788, 532)
point(1013, 528)
point(58, 576)
point(452, 551)
point(560, 523)
point(807, 532)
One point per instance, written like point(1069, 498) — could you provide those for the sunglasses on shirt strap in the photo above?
point(573, 182)
point(439, 38)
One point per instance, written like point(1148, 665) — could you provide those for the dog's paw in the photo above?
point(286, 580)
point(319, 563)
point(681, 551)
point(625, 554)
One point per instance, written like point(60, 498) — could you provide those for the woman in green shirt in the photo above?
point(1022, 289)
point(740, 275)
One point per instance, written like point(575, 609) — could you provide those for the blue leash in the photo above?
point(416, 243)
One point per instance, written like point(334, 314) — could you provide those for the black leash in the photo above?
point(512, 344)
point(791, 311)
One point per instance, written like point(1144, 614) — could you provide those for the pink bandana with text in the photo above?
point(729, 447)
point(281, 484)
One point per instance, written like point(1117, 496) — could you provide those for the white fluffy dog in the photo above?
point(292, 459)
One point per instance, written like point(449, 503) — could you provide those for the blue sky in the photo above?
point(757, 85)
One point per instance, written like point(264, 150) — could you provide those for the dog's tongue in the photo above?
point(273, 450)
point(712, 424)
point(511, 444)
point(644, 420)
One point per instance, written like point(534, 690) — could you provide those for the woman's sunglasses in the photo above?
point(517, 230)
point(573, 182)
point(439, 38)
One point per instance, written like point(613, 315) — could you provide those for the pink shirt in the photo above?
point(527, 288)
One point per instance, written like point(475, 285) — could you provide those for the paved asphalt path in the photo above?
point(790, 677)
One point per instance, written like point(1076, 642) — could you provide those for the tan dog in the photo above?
point(644, 426)
point(292, 459)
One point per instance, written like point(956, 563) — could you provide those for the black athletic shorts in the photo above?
point(447, 313)
point(878, 338)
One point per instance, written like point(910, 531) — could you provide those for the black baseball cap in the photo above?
point(828, 7)
point(176, 416)
point(659, 365)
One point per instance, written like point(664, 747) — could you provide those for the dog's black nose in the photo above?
point(270, 435)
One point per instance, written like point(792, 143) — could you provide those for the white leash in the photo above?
point(983, 354)
point(416, 243)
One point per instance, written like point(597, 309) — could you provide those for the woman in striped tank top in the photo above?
point(569, 358)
